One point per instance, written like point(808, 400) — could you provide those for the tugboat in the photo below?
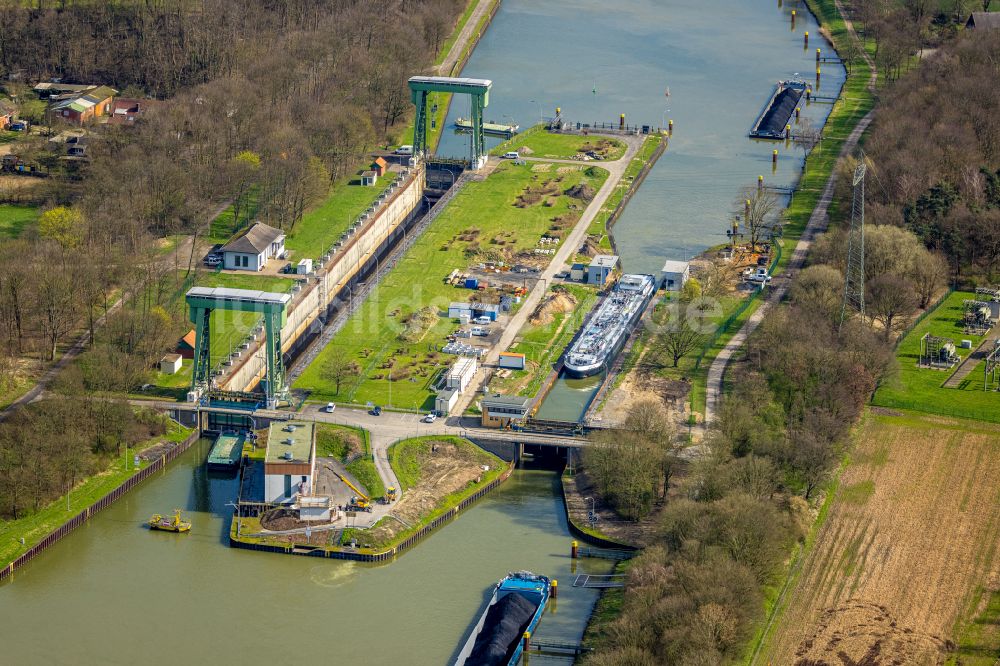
point(518, 602)
point(174, 524)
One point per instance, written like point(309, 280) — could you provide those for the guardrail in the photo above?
point(85, 515)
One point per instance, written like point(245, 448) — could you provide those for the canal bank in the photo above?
point(117, 583)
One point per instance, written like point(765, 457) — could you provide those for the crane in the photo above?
point(360, 501)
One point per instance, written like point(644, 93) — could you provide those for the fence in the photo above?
point(916, 322)
point(386, 555)
point(85, 515)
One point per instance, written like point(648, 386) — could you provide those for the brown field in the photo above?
point(910, 538)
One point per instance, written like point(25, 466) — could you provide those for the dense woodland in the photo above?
point(933, 195)
point(279, 98)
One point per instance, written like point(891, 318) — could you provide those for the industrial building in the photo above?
point(445, 401)
point(601, 268)
point(675, 275)
point(512, 360)
point(457, 310)
point(461, 373)
point(290, 461)
point(500, 410)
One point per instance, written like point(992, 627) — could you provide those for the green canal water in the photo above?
point(114, 593)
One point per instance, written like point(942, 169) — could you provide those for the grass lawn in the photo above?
point(405, 456)
point(320, 228)
point(558, 146)
point(14, 219)
point(343, 442)
point(38, 525)
point(225, 225)
point(543, 344)
point(921, 389)
point(482, 217)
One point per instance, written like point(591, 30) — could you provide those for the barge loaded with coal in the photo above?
point(779, 109)
point(609, 327)
point(518, 602)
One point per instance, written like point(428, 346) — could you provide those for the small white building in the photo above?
point(512, 360)
point(675, 274)
point(304, 267)
point(457, 310)
point(461, 373)
point(290, 461)
point(252, 250)
point(314, 508)
point(445, 401)
point(601, 268)
point(171, 364)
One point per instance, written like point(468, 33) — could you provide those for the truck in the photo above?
point(759, 276)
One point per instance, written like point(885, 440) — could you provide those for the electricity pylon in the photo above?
point(854, 282)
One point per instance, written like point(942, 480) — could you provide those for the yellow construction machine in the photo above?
point(360, 501)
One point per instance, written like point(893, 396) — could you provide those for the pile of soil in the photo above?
point(581, 191)
point(867, 634)
point(505, 623)
point(555, 303)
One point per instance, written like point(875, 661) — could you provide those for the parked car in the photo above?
point(759, 276)
point(213, 260)
point(329, 408)
point(511, 155)
point(484, 320)
point(430, 418)
point(480, 331)
point(376, 411)
point(404, 150)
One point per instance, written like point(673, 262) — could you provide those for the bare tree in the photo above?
point(339, 369)
point(889, 298)
point(759, 208)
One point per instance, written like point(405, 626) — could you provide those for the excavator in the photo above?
point(360, 501)
point(390, 495)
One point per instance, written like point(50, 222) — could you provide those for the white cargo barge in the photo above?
point(605, 334)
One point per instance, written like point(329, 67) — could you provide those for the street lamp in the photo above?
point(540, 119)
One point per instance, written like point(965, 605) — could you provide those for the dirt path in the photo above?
point(817, 224)
point(468, 33)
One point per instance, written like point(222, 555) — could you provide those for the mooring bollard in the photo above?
point(793, 19)
point(805, 40)
point(774, 156)
point(555, 588)
point(527, 641)
point(788, 133)
point(798, 110)
point(670, 127)
point(621, 121)
point(817, 55)
point(808, 95)
point(760, 183)
point(573, 549)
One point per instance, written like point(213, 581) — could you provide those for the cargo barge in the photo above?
point(605, 333)
point(226, 452)
point(491, 128)
point(518, 602)
point(779, 109)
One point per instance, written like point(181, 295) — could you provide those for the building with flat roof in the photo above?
point(461, 373)
point(500, 410)
point(601, 268)
point(675, 274)
point(445, 400)
point(290, 461)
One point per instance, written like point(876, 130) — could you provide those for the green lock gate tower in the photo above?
point(202, 301)
point(479, 92)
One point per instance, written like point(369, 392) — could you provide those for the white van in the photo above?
point(404, 150)
point(480, 331)
point(512, 155)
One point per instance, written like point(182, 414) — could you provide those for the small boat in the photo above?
point(518, 602)
point(169, 524)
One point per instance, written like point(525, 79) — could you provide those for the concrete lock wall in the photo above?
point(330, 279)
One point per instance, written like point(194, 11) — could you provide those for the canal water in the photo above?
point(720, 60)
point(114, 593)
